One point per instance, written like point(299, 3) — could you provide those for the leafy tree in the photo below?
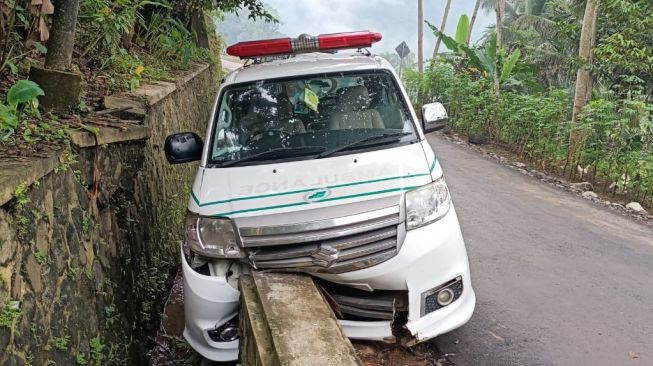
point(233, 28)
point(624, 52)
point(256, 8)
point(485, 60)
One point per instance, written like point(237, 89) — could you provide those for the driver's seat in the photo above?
point(265, 114)
point(354, 112)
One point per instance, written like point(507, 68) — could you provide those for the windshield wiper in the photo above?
point(395, 137)
point(282, 152)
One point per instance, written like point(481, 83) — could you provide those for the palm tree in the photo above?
point(524, 15)
point(532, 26)
point(471, 23)
point(444, 23)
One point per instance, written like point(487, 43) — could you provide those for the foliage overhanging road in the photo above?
point(558, 280)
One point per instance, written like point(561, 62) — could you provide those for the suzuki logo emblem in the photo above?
point(317, 195)
point(325, 256)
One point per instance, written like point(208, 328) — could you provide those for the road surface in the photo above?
point(559, 281)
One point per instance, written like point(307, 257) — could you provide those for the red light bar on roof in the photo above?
point(304, 43)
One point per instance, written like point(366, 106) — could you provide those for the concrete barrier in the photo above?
point(286, 321)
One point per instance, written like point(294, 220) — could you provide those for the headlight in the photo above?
point(212, 237)
point(427, 204)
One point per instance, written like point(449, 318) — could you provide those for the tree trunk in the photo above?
point(500, 9)
point(444, 23)
point(583, 80)
point(471, 22)
point(62, 35)
point(420, 37)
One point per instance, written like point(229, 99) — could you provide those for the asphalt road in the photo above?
point(559, 281)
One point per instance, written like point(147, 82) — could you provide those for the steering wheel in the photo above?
point(257, 135)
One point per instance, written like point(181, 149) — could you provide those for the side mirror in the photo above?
point(183, 148)
point(434, 117)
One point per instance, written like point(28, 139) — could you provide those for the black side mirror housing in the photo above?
point(434, 117)
point(183, 148)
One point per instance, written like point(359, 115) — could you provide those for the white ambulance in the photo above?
point(317, 162)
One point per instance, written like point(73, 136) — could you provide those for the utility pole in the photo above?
point(420, 36)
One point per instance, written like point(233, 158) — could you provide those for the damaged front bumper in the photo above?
point(393, 300)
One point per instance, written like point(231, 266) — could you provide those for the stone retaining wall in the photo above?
point(82, 273)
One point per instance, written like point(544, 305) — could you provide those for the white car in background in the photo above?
point(316, 162)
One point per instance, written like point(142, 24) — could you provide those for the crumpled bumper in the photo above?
point(429, 257)
point(208, 303)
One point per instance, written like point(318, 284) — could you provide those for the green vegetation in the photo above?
point(80, 359)
point(67, 160)
point(9, 313)
point(71, 271)
point(20, 194)
point(111, 313)
point(20, 114)
point(609, 141)
point(86, 223)
point(97, 350)
point(41, 257)
point(61, 343)
point(117, 45)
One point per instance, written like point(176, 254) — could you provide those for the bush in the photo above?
point(469, 100)
point(536, 125)
point(617, 135)
point(618, 143)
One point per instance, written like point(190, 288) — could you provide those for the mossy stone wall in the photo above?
point(83, 272)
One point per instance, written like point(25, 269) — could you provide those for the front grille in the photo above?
point(352, 304)
point(329, 246)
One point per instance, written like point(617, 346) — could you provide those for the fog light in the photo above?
point(229, 334)
point(445, 297)
point(441, 296)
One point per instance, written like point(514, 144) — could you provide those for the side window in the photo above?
point(225, 139)
point(389, 106)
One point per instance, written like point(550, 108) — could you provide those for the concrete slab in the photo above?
point(14, 172)
point(303, 329)
point(109, 135)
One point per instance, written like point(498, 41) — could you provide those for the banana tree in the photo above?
point(485, 59)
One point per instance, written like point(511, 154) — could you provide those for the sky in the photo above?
point(396, 20)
